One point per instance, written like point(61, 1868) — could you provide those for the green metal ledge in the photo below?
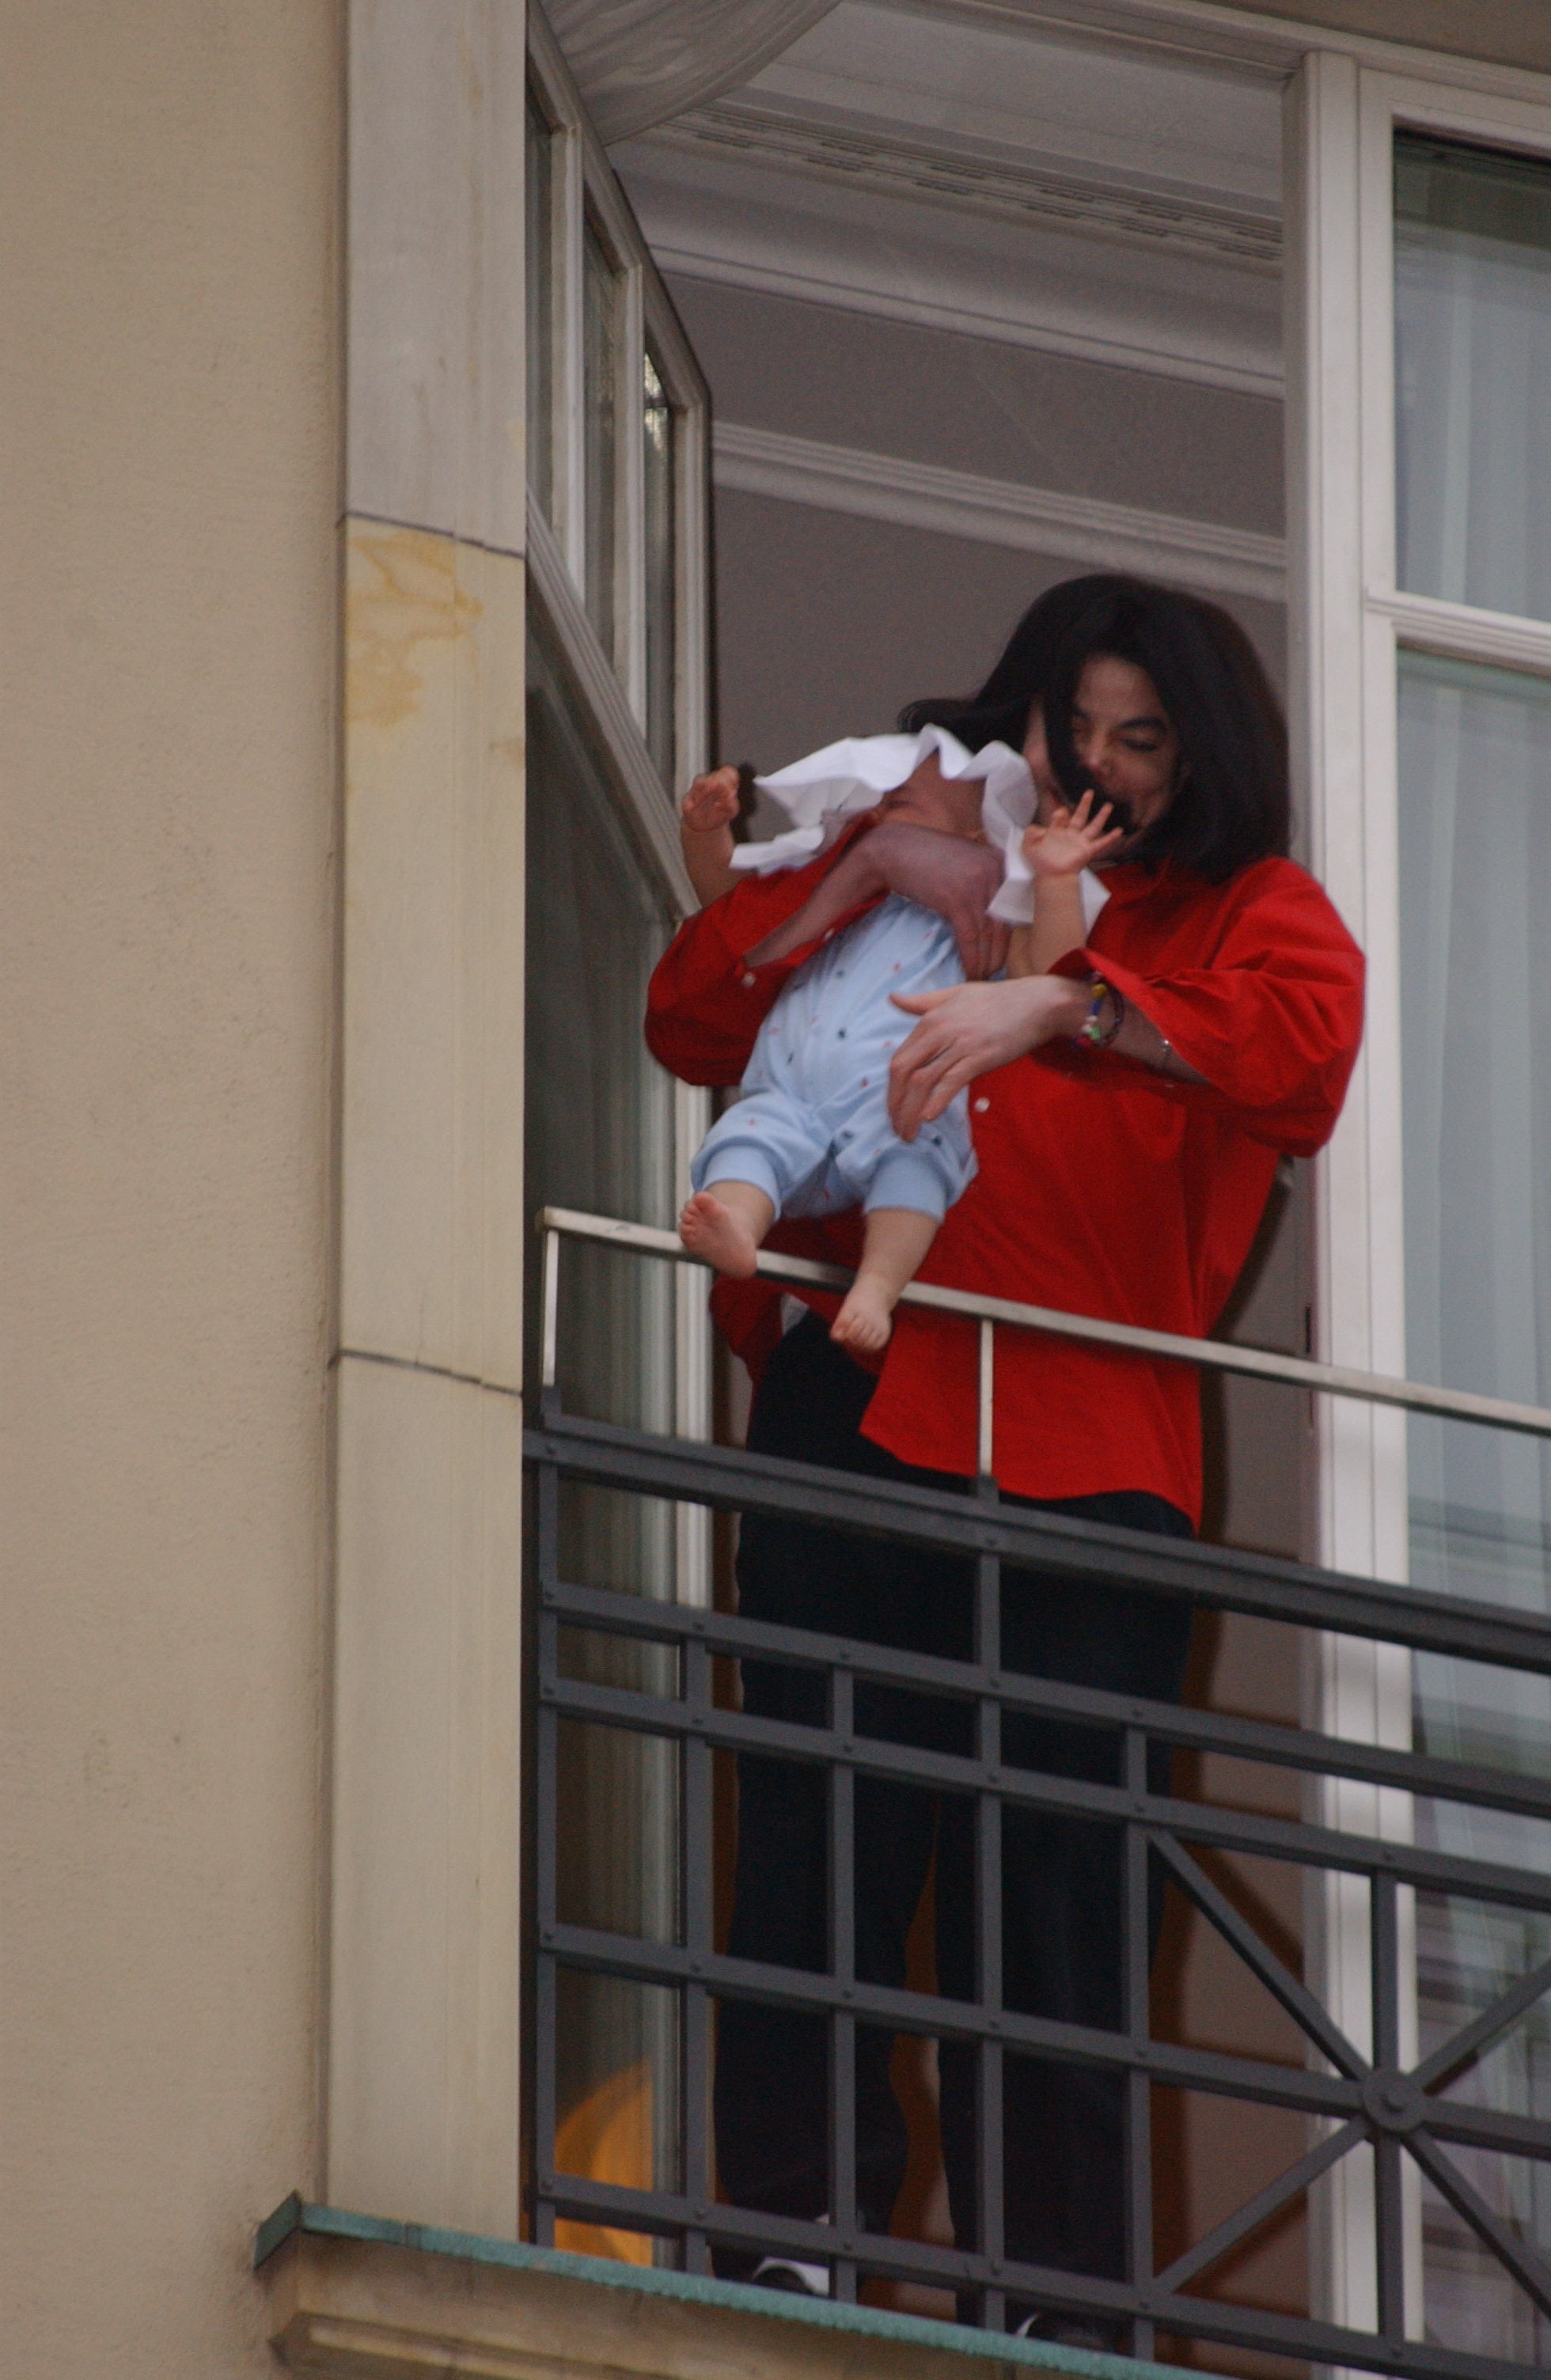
point(296, 2214)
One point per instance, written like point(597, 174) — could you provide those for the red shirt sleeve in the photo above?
point(706, 1003)
point(1273, 1016)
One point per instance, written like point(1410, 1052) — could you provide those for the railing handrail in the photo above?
point(1217, 1354)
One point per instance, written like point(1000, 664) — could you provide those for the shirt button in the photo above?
point(981, 1105)
point(748, 983)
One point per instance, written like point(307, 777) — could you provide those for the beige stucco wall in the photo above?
point(167, 668)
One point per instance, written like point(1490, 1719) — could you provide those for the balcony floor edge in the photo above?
point(357, 2297)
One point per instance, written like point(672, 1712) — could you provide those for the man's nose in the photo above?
point(1094, 759)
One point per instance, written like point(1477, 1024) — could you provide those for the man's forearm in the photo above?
point(847, 884)
point(1141, 1040)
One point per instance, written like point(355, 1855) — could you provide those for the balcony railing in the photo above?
point(1350, 2095)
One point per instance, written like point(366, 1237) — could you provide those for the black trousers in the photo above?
point(1063, 2127)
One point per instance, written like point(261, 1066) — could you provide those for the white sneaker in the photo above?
point(787, 2272)
point(1068, 2330)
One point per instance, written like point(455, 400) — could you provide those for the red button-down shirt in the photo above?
point(1104, 1188)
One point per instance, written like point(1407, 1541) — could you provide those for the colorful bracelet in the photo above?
point(1097, 1036)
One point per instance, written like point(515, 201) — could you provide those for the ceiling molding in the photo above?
point(1091, 334)
point(999, 512)
point(861, 157)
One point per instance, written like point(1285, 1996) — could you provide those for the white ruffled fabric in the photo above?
point(823, 791)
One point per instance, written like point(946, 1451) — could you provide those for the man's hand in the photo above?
point(954, 877)
point(969, 1031)
point(1073, 839)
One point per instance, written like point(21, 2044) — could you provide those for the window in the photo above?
point(660, 431)
point(1473, 362)
point(617, 441)
point(603, 478)
point(1427, 601)
point(616, 722)
point(542, 145)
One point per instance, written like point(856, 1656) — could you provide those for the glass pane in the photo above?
point(600, 1114)
point(1472, 364)
point(618, 2091)
point(541, 307)
point(661, 540)
point(602, 289)
point(1475, 878)
point(598, 1135)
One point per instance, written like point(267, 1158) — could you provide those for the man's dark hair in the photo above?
point(1232, 804)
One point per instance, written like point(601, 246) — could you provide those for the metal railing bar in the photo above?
point(700, 1934)
point(549, 1315)
point(1294, 1371)
point(1532, 2274)
point(728, 1479)
point(1451, 2060)
point(545, 2010)
point(1389, 2226)
point(892, 2259)
point(926, 2014)
point(1261, 1741)
point(841, 1780)
point(1209, 2071)
point(1137, 1977)
point(1197, 1822)
point(990, 2208)
point(1483, 2128)
point(985, 1403)
point(1260, 2208)
point(1284, 1986)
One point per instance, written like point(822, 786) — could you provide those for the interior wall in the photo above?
point(827, 623)
point(170, 174)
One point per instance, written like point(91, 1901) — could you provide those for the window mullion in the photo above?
point(570, 514)
point(631, 633)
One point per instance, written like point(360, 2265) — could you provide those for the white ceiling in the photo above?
point(1071, 195)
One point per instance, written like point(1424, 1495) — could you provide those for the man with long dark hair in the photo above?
point(1129, 1111)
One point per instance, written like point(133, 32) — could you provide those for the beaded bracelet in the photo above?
point(1097, 1035)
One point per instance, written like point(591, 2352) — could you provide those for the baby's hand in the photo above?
point(1072, 841)
point(710, 804)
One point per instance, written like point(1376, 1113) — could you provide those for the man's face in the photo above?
point(1125, 740)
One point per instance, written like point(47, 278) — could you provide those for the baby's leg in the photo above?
point(725, 1225)
point(893, 1250)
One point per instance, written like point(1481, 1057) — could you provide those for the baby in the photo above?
point(810, 1133)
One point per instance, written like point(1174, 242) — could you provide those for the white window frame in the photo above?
point(1347, 623)
point(613, 696)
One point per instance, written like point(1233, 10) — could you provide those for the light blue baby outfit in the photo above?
point(810, 1126)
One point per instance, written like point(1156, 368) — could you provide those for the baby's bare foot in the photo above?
point(711, 1230)
point(866, 1319)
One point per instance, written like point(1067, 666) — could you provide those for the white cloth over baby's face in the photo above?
point(823, 791)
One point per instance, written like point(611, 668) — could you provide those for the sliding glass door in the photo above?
point(1423, 579)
